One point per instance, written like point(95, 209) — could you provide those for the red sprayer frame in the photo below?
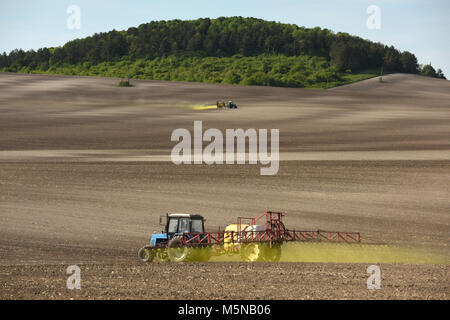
point(275, 232)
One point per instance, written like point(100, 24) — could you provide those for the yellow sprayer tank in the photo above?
point(230, 240)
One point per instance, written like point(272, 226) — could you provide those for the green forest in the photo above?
point(233, 50)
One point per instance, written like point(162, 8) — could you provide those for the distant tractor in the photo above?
point(226, 105)
point(185, 239)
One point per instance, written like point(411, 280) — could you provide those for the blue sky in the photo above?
point(419, 26)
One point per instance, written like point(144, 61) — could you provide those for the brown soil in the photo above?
point(83, 180)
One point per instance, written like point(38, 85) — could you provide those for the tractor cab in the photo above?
point(181, 223)
point(231, 105)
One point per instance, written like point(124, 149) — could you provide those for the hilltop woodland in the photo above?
point(232, 50)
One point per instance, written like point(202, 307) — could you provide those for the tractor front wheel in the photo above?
point(146, 254)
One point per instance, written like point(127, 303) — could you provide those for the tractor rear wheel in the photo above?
point(178, 252)
point(252, 252)
point(146, 254)
point(272, 254)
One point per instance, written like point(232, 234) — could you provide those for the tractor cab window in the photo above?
point(197, 226)
point(183, 226)
point(173, 225)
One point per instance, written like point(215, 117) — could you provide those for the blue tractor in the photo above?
point(170, 245)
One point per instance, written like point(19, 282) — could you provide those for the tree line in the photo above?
point(264, 70)
point(221, 37)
